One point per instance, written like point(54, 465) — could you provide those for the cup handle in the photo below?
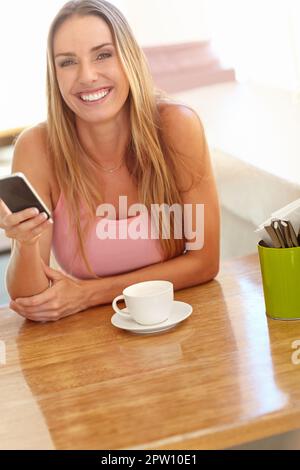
point(117, 310)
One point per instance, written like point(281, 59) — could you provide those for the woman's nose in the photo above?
point(87, 73)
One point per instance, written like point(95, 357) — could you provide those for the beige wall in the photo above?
point(159, 22)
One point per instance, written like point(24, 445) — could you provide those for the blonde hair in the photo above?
point(155, 162)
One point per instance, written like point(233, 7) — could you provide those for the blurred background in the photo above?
point(236, 62)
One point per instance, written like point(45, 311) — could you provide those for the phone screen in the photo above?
point(18, 196)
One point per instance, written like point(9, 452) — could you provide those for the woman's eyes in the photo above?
point(67, 62)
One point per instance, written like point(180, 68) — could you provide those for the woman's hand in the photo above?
point(24, 226)
point(65, 297)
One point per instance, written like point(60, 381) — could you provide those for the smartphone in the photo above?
point(18, 194)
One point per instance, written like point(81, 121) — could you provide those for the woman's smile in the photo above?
point(94, 98)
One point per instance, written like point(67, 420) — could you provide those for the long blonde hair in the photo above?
point(155, 161)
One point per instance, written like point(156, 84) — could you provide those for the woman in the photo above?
point(108, 134)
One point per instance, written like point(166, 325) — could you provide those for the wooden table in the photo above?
point(222, 378)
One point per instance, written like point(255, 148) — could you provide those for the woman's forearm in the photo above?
point(25, 275)
point(184, 271)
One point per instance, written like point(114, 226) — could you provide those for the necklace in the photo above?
point(111, 170)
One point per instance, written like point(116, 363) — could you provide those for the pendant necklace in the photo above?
point(111, 170)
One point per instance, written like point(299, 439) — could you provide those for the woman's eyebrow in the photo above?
point(72, 54)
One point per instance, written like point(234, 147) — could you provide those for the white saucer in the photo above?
point(180, 311)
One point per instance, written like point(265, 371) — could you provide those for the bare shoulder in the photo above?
point(31, 157)
point(184, 132)
point(32, 144)
point(178, 114)
point(182, 126)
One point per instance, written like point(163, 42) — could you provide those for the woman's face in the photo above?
point(86, 72)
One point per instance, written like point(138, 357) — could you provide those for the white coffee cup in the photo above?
point(148, 303)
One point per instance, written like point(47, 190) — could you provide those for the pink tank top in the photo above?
point(107, 257)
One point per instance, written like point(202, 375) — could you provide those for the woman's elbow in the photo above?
point(209, 270)
point(214, 271)
point(12, 290)
point(9, 286)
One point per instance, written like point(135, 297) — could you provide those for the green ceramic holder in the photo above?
point(280, 269)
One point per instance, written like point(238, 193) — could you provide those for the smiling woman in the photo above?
point(109, 133)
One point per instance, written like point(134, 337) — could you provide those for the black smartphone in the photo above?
point(18, 194)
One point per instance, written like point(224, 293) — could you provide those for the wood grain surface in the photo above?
point(223, 377)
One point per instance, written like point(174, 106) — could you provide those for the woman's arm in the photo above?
point(184, 130)
point(200, 265)
point(25, 275)
point(184, 271)
point(68, 296)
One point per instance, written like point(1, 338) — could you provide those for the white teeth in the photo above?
point(95, 96)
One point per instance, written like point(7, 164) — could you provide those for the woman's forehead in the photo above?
point(82, 33)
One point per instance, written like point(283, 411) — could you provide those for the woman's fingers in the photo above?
point(43, 317)
point(33, 223)
point(14, 218)
point(4, 210)
point(29, 230)
point(26, 226)
point(40, 316)
point(33, 310)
